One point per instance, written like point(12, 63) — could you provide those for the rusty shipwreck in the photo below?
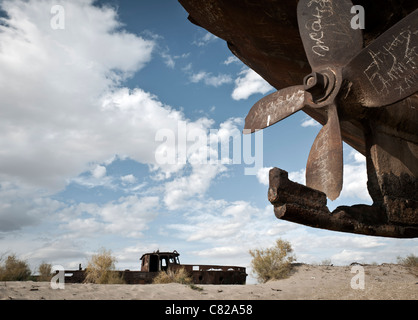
point(155, 262)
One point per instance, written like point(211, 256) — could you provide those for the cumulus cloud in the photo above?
point(298, 176)
point(205, 163)
point(355, 177)
point(64, 109)
point(263, 175)
point(295, 176)
point(24, 206)
point(346, 257)
point(224, 251)
point(128, 216)
point(249, 83)
point(99, 172)
point(226, 225)
point(78, 114)
point(223, 220)
point(58, 124)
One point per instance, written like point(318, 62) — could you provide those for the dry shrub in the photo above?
point(177, 276)
point(45, 273)
point(272, 263)
point(101, 269)
point(14, 269)
point(411, 261)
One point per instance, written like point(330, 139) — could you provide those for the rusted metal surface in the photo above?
point(386, 71)
point(214, 274)
point(275, 107)
point(326, 33)
point(130, 277)
point(361, 86)
point(297, 203)
point(324, 169)
point(203, 274)
point(155, 262)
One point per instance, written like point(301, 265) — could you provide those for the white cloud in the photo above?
point(263, 175)
point(219, 222)
point(58, 125)
point(78, 114)
point(225, 224)
point(99, 172)
point(205, 40)
point(209, 79)
point(128, 216)
point(355, 178)
point(22, 206)
point(298, 176)
point(196, 77)
point(130, 178)
point(64, 252)
point(310, 122)
point(169, 59)
point(179, 191)
point(203, 171)
point(61, 124)
point(346, 257)
point(231, 59)
point(224, 251)
point(249, 83)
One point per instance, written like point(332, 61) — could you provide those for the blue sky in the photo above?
point(81, 109)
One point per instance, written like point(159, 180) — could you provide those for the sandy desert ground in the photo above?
point(386, 281)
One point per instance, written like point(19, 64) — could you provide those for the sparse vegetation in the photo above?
point(101, 269)
point(272, 263)
point(14, 269)
point(45, 273)
point(173, 276)
point(326, 262)
point(410, 261)
point(176, 276)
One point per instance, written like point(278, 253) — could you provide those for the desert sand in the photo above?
point(386, 281)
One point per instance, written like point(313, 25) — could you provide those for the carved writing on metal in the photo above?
point(393, 64)
point(288, 101)
point(323, 10)
point(291, 99)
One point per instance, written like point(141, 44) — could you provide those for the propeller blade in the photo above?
point(326, 32)
point(274, 107)
point(324, 169)
point(386, 71)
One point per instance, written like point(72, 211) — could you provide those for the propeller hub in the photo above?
point(316, 84)
point(322, 86)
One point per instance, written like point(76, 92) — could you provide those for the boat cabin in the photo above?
point(159, 261)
